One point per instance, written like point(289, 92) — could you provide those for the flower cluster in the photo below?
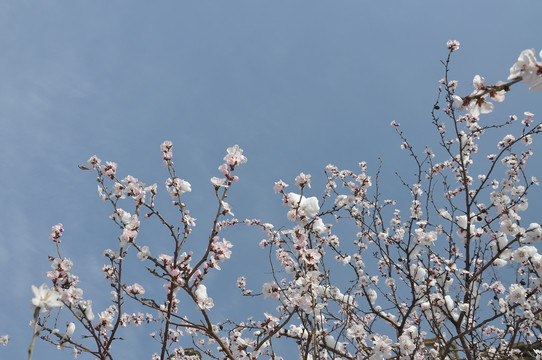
point(56, 233)
point(130, 224)
point(45, 298)
point(526, 68)
point(204, 302)
point(167, 154)
point(235, 156)
point(452, 45)
point(177, 187)
point(302, 209)
point(529, 69)
point(430, 281)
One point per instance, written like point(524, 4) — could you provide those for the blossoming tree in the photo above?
point(456, 275)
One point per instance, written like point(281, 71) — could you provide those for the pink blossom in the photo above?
point(241, 282)
point(222, 249)
point(127, 236)
point(108, 271)
point(144, 253)
point(167, 154)
point(452, 45)
point(166, 146)
point(56, 233)
point(106, 318)
point(109, 169)
point(235, 156)
point(135, 289)
point(271, 289)
point(303, 179)
point(177, 186)
point(224, 169)
point(279, 186)
point(94, 162)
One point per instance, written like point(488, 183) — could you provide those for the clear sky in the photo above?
point(297, 84)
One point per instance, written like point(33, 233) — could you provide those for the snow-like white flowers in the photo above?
point(204, 302)
point(417, 272)
point(45, 299)
point(445, 214)
point(302, 208)
point(499, 246)
point(87, 310)
point(524, 253)
point(463, 224)
point(529, 68)
point(69, 331)
point(318, 226)
point(372, 296)
point(426, 238)
point(517, 294)
point(382, 347)
point(406, 340)
point(533, 233)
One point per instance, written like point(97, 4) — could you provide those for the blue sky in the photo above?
point(297, 84)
